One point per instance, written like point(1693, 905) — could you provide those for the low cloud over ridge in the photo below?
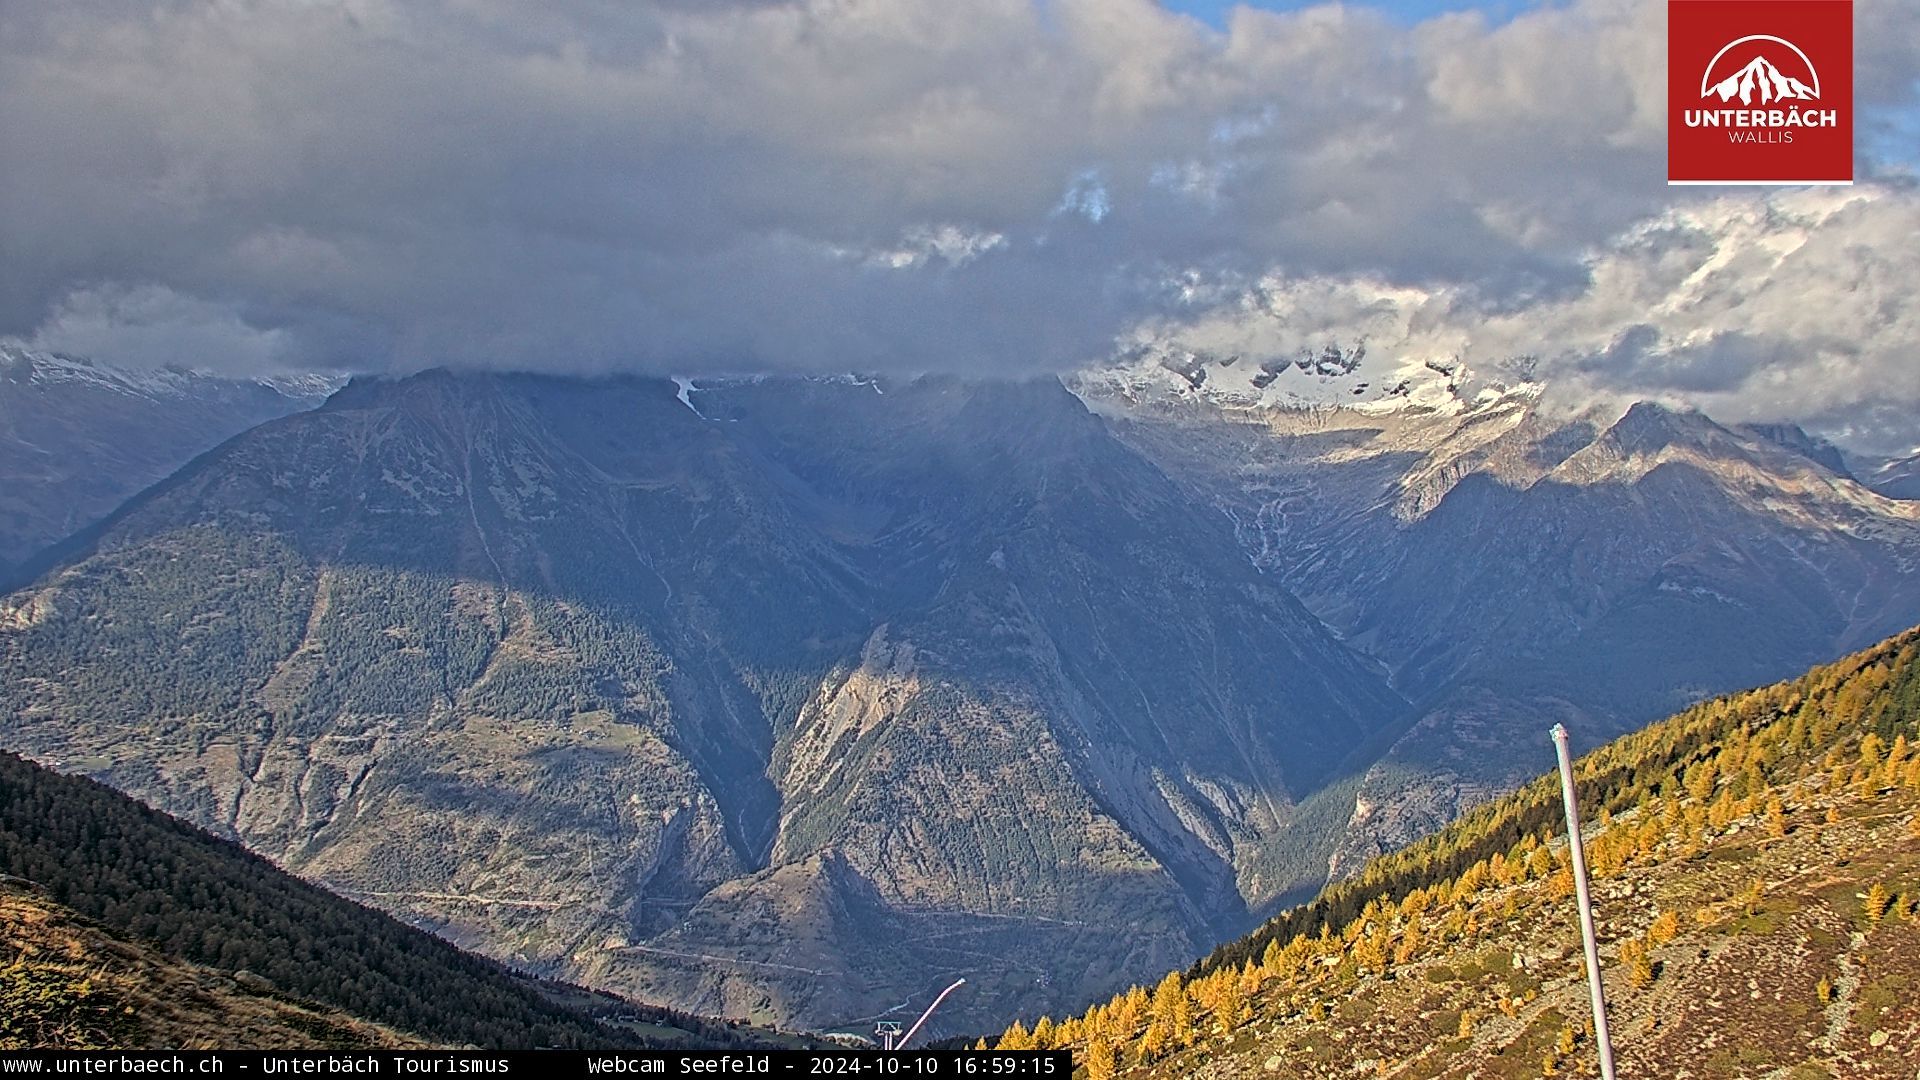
point(993, 186)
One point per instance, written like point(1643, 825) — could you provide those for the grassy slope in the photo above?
point(68, 982)
point(1757, 865)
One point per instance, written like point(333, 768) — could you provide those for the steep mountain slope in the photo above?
point(1509, 561)
point(1896, 478)
point(784, 699)
point(76, 439)
point(1757, 881)
point(197, 937)
point(69, 983)
point(1796, 438)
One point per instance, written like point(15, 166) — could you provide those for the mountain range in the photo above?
point(783, 715)
point(793, 699)
point(1896, 478)
point(1514, 564)
point(78, 438)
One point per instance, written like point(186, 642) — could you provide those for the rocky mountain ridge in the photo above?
point(1509, 561)
point(1896, 478)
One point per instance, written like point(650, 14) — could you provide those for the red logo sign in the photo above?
point(1760, 91)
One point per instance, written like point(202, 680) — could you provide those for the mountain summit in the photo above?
point(1508, 561)
point(78, 438)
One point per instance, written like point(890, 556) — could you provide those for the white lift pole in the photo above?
point(923, 1016)
point(1579, 855)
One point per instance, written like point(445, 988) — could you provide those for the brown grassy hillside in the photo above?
point(68, 983)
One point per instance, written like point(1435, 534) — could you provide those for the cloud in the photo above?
point(153, 327)
point(985, 186)
point(1792, 305)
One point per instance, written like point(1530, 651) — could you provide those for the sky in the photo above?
point(991, 187)
point(1215, 12)
point(1896, 139)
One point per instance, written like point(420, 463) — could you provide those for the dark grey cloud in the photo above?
point(987, 185)
point(1720, 362)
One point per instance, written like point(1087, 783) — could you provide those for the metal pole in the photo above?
point(1578, 852)
point(924, 1015)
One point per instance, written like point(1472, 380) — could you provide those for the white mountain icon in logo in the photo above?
point(1760, 80)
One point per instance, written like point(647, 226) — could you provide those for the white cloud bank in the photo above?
point(1797, 305)
point(977, 185)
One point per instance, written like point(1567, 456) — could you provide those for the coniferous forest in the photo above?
point(159, 881)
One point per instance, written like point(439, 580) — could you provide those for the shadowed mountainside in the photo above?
point(794, 699)
point(1513, 565)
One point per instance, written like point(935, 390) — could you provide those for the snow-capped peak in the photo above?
point(40, 368)
point(1329, 375)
